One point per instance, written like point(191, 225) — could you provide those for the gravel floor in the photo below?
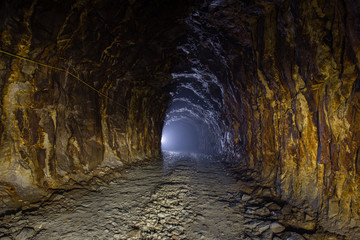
point(183, 197)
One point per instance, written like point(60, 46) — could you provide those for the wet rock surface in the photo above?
point(184, 197)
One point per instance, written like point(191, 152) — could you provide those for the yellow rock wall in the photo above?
point(56, 132)
point(296, 68)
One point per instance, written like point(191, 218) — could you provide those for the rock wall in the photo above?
point(56, 131)
point(296, 118)
point(292, 97)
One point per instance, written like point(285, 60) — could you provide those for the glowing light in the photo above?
point(163, 139)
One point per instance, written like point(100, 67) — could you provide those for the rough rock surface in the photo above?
point(295, 115)
point(55, 131)
point(291, 93)
point(186, 197)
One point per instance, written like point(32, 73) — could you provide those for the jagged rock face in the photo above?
point(56, 132)
point(288, 73)
point(295, 118)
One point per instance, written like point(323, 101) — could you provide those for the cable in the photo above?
point(62, 70)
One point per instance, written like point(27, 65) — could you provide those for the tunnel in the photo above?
point(196, 98)
point(179, 119)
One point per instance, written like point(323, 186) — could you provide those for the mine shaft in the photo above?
point(180, 119)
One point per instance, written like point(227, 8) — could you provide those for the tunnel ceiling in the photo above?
point(273, 86)
point(197, 93)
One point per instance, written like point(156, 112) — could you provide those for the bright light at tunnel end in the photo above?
point(163, 139)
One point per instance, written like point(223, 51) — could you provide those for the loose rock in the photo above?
point(277, 227)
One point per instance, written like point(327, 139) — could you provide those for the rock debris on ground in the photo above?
point(182, 197)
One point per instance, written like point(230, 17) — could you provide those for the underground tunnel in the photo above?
point(194, 119)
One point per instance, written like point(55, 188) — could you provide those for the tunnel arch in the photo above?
point(268, 83)
point(198, 87)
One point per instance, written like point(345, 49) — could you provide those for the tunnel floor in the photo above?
point(183, 197)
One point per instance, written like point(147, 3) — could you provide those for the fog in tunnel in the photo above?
point(195, 119)
point(180, 136)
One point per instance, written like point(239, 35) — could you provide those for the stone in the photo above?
point(266, 193)
point(286, 210)
point(309, 218)
point(245, 197)
point(308, 226)
point(247, 189)
point(252, 225)
point(274, 207)
point(268, 234)
point(276, 227)
point(136, 234)
point(262, 229)
point(25, 233)
point(295, 236)
point(262, 211)
point(162, 215)
point(299, 223)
